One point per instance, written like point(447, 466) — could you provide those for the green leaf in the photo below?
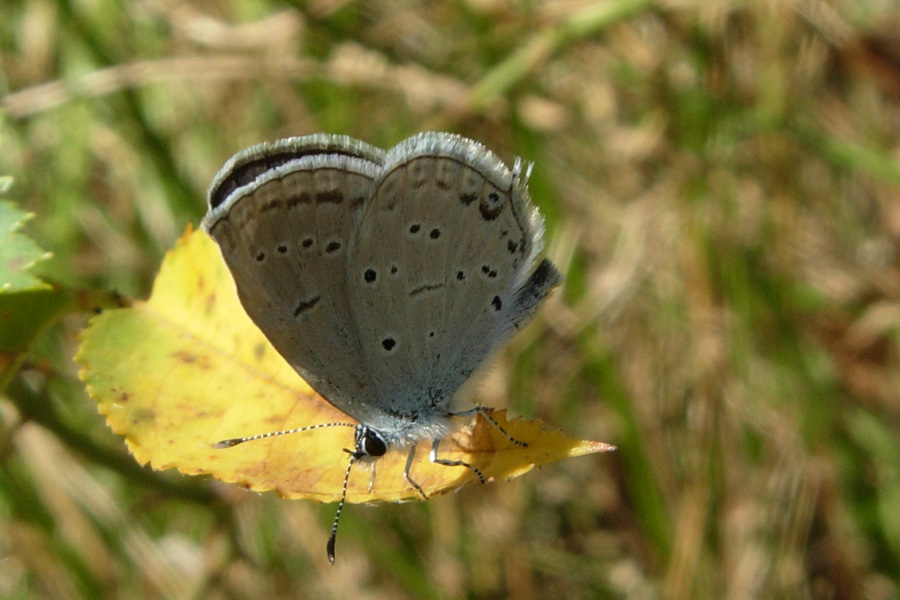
point(24, 317)
point(18, 253)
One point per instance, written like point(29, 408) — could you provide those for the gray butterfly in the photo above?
point(384, 278)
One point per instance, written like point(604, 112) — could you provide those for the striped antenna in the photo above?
point(329, 547)
point(235, 441)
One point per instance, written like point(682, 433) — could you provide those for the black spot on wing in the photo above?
point(305, 305)
point(491, 206)
point(428, 287)
point(468, 199)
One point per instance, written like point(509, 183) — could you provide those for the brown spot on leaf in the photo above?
point(185, 357)
point(142, 416)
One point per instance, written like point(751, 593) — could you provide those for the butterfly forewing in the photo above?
point(284, 234)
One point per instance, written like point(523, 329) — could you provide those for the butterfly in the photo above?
point(384, 278)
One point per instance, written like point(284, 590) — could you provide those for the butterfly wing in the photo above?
point(440, 271)
point(284, 215)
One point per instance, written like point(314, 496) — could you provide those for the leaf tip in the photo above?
point(593, 447)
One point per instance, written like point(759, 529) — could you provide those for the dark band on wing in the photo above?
point(527, 298)
point(245, 173)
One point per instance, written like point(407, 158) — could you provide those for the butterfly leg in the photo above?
point(412, 482)
point(452, 463)
point(372, 475)
point(486, 413)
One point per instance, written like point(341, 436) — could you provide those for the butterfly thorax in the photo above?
point(399, 430)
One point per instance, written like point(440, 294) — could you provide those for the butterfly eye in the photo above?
point(373, 444)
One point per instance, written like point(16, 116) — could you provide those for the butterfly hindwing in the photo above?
point(450, 236)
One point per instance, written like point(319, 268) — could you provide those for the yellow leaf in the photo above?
point(187, 368)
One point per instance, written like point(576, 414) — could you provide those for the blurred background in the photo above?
point(721, 185)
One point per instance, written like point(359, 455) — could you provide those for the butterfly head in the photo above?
point(368, 443)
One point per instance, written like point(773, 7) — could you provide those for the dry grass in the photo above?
point(721, 182)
